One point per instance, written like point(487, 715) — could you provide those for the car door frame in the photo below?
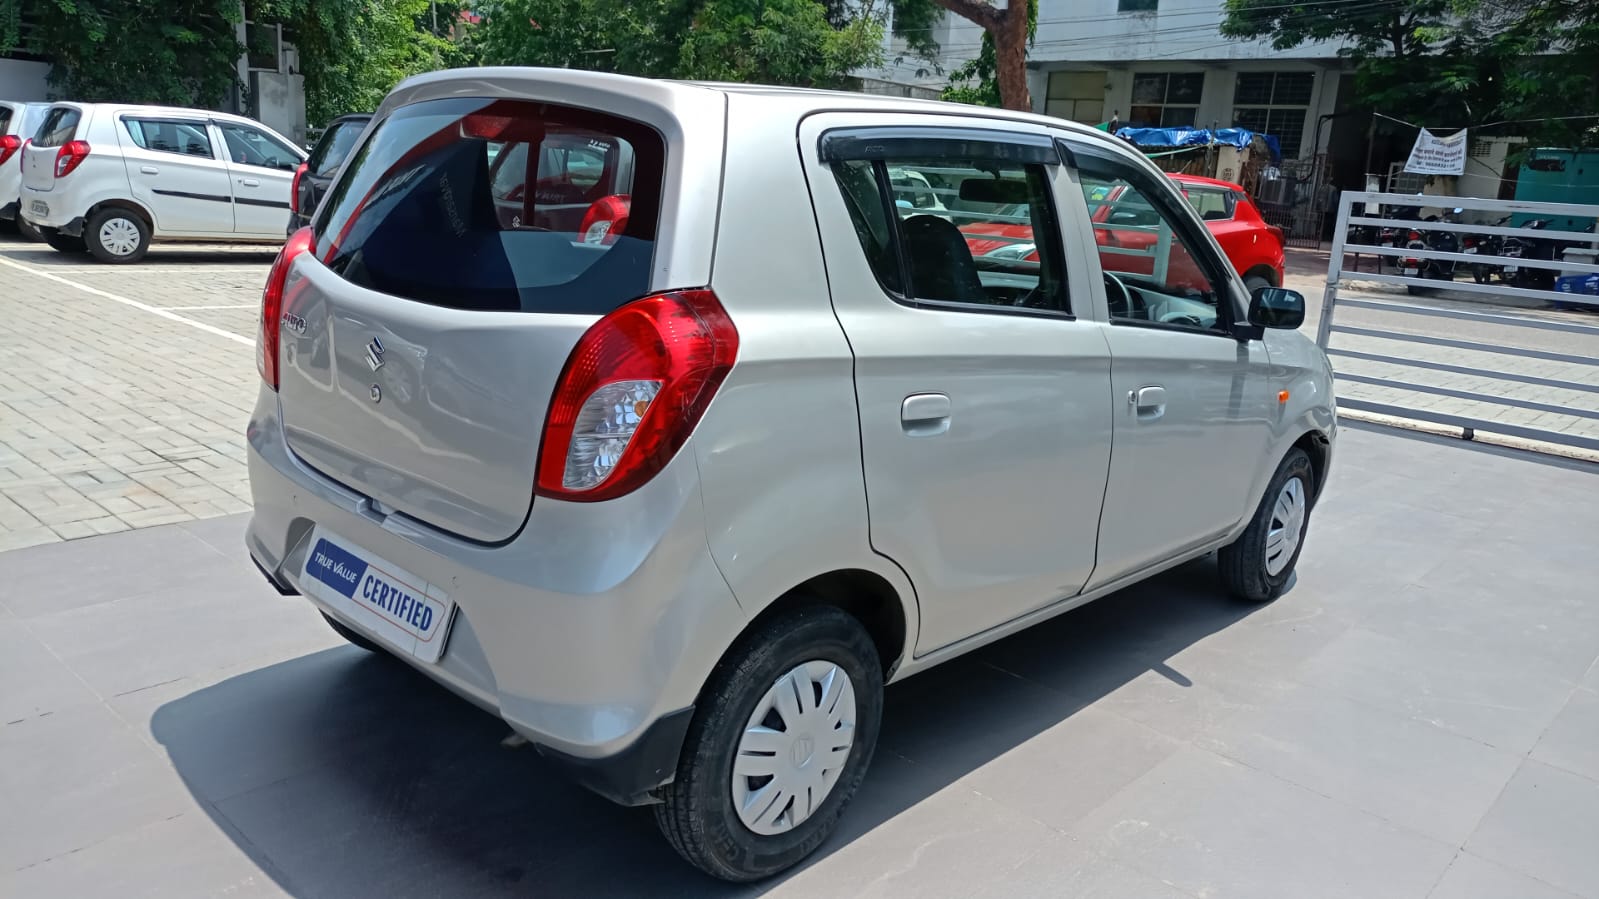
point(249, 198)
point(1249, 352)
point(952, 622)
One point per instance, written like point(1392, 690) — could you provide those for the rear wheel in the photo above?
point(1257, 565)
point(1255, 282)
point(781, 737)
point(117, 236)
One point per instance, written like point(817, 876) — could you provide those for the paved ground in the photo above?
point(1418, 717)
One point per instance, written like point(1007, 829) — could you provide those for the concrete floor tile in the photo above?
point(80, 573)
point(1572, 741)
point(34, 681)
point(1470, 877)
point(1545, 825)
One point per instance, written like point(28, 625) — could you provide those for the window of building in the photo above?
point(1274, 103)
point(1137, 5)
point(1166, 99)
point(1077, 96)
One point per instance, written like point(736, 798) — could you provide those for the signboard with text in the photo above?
point(1434, 155)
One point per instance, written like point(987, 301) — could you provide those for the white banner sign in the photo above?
point(1434, 155)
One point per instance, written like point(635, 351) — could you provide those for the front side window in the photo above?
point(184, 138)
point(972, 232)
point(250, 146)
point(1156, 269)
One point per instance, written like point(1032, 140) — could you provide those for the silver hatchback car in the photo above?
point(660, 421)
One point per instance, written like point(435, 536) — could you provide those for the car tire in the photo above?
point(1255, 282)
point(64, 243)
point(350, 635)
point(1258, 565)
point(28, 231)
point(118, 236)
point(705, 809)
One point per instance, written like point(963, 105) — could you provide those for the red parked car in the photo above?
point(1254, 247)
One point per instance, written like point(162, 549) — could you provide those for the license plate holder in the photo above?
point(391, 604)
point(39, 207)
point(1410, 272)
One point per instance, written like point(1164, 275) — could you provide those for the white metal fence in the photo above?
point(1360, 218)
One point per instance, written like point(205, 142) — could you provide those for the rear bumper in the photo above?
point(591, 633)
point(59, 216)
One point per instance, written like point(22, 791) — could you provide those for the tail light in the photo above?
point(294, 188)
point(9, 145)
point(632, 391)
point(266, 344)
point(1415, 235)
point(606, 219)
point(70, 156)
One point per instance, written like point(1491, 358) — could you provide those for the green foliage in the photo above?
point(1398, 27)
point(181, 52)
point(769, 41)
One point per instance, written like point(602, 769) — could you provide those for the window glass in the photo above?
point(980, 234)
point(1211, 204)
point(1153, 273)
point(5, 120)
point(186, 138)
point(249, 146)
point(334, 147)
point(438, 206)
point(1137, 5)
point(59, 125)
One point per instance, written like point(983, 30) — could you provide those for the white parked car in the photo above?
point(109, 178)
point(17, 123)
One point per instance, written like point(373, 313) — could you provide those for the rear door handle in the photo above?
point(149, 170)
point(925, 414)
point(249, 182)
point(1148, 402)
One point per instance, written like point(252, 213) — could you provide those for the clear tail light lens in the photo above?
point(267, 339)
point(634, 388)
point(70, 156)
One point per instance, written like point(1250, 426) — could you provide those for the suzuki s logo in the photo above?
point(374, 354)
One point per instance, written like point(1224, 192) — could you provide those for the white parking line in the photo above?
point(153, 310)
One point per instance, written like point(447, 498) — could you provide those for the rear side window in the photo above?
point(1212, 205)
point(59, 125)
point(498, 205)
point(5, 120)
point(186, 138)
point(334, 147)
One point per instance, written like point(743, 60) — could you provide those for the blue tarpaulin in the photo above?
point(1198, 137)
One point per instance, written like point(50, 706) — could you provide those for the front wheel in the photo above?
point(1257, 566)
point(780, 739)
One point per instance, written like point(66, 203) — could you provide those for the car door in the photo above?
point(261, 168)
point(982, 386)
point(174, 172)
point(1193, 402)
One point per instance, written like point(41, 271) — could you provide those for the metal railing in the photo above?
point(1503, 370)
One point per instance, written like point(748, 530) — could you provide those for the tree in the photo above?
point(1010, 29)
point(1549, 56)
point(976, 81)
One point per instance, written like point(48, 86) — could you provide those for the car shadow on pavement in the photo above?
point(345, 774)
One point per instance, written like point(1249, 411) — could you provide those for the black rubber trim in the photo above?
point(273, 204)
point(73, 228)
point(215, 198)
point(631, 776)
point(924, 141)
point(10, 210)
point(278, 585)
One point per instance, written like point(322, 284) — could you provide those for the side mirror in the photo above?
point(1277, 307)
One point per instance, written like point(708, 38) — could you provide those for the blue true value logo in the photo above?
point(335, 567)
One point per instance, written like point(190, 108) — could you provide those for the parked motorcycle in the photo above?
point(1530, 247)
point(1439, 241)
point(1486, 245)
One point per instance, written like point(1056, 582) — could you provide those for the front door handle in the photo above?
point(149, 170)
point(1148, 402)
point(925, 414)
point(249, 182)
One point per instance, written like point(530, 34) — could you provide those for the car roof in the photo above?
point(1207, 182)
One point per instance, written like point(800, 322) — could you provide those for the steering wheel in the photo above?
point(1124, 302)
point(1186, 319)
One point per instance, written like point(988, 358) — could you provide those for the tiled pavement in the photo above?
point(1417, 717)
point(114, 416)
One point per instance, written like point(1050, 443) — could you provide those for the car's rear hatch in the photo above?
point(421, 346)
point(60, 126)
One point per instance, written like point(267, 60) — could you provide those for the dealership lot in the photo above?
point(1418, 716)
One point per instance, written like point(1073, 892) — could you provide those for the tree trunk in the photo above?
point(1010, 57)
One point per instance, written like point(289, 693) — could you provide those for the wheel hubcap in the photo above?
point(1287, 526)
point(120, 237)
point(794, 747)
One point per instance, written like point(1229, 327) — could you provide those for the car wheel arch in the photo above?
point(885, 612)
point(130, 205)
point(1265, 272)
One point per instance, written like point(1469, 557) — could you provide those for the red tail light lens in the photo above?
point(1415, 235)
point(70, 156)
point(606, 219)
point(294, 188)
point(634, 388)
point(9, 145)
point(266, 344)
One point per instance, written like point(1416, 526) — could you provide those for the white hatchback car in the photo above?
point(17, 123)
point(110, 178)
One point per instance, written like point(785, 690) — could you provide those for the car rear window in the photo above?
point(334, 146)
point(59, 125)
point(5, 120)
point(489, 205)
